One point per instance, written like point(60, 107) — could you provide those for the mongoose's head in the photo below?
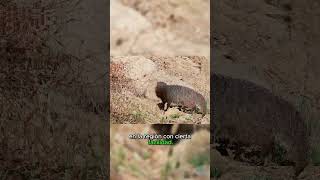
point(160, 89)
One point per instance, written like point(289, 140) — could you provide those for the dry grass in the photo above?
point(125, 108)
point(118, 81)
point(121, 87)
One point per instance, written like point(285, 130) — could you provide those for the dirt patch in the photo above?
point(162, 28)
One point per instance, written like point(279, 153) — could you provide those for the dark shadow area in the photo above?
point(264, 89)
point(54, 89)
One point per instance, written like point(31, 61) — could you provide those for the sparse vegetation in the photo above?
point(166, 171)
point(279, 153)
point(215, 172)
point(315, 155)
point(313, 126)
point(174, 116)
point(143, 161)
point(189, 118)
point(162, 120)
point(138, 116)
point(200, 159)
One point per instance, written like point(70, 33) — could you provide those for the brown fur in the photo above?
point(251, 115)
point(181, 96)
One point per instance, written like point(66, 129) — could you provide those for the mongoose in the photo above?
point(181, 96)
point(248, 114)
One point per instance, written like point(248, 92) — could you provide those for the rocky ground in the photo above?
point(161, 28)
point(133, 81)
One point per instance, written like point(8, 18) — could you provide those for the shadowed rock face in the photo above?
point(247, 114)
point(181, 96)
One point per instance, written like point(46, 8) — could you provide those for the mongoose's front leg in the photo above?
point(166, 106)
